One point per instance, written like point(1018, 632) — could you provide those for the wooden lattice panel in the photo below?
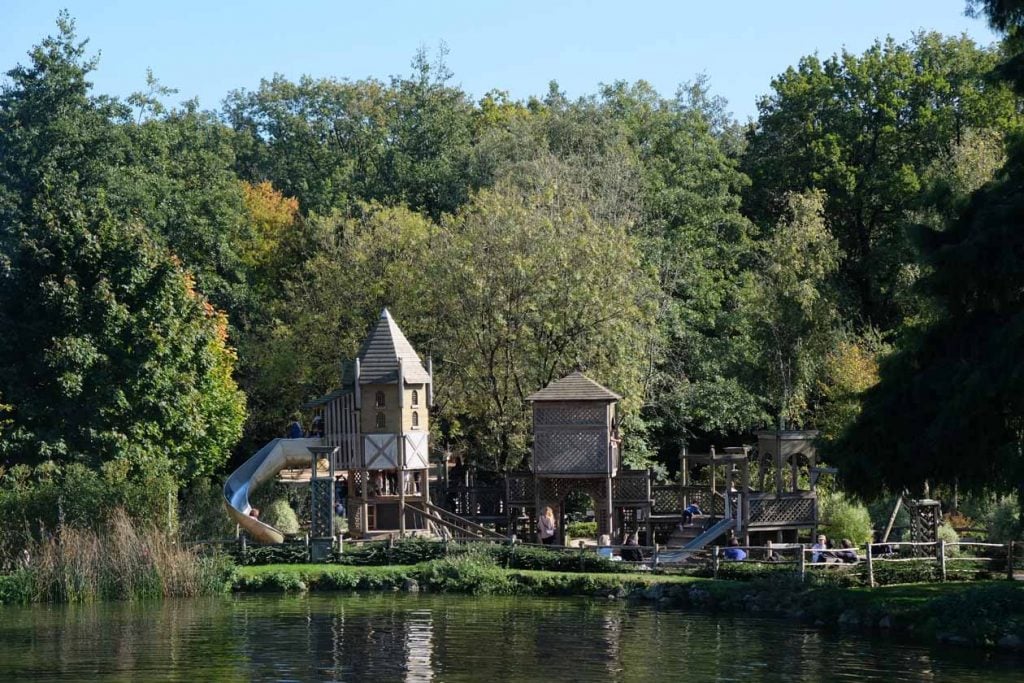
point(925, 517)
point(631, 487)
point(583, 452)
point(781, 511)
point(322, 504)
point(569, 414)
point(555, 490)
point(520, 489)
point(667, 500)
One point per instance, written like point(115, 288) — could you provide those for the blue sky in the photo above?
point(208, 48)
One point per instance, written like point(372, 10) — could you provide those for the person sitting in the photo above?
point(295, 429)
point(848, 554)
point(820, 547)
point(734, 553)
point(688, 513)
point(631, 553)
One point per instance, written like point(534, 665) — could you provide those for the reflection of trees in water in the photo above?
point(423, 638)
point(81, 641)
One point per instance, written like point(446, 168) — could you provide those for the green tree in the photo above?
point(948, 408)
point(359, 264)
point(791, 318)
point(527, 286)
point(107, 352)
point(867, 130)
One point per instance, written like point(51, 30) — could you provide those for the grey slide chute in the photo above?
point(277, 455)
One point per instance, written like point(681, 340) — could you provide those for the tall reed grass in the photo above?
point(125, 560)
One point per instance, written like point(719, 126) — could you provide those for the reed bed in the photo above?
point(124, 560)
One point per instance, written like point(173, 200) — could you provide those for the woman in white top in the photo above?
point(546, 528)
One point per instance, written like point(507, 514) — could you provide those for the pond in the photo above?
point(399, 637)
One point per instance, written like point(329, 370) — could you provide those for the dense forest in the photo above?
point(175, 282)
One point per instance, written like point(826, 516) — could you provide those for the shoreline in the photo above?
point(978, 614)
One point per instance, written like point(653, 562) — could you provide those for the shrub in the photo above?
point(280, 515)
point(581, 529)
point(470, 573)
point(845, 518)
point(1002, 521)
point(947, 533)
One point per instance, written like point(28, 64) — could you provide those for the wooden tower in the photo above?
point(379, 421)
point(575, 444)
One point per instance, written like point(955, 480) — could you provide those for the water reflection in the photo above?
point(434, 638)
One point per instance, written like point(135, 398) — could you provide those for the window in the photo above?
point(380, 399)
point(381, 422)
point(415, 420)
point(415, 397)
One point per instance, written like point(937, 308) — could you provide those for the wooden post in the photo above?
point(803, 563)
point(655, 558)
point(1009, 560)
point(941, 545)
point(714, 562)
point(871, 568)
point(892, 518)
point(401, 449)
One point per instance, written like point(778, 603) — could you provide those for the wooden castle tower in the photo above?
point(377, 425)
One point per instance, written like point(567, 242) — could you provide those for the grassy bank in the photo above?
point(979, 614)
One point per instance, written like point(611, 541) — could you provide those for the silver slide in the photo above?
point(257, 470)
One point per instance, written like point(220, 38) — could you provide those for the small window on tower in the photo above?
point(380, 399)
point(415, 420)
point(381, 422)
point(415, 397)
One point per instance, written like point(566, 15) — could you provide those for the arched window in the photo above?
point(380, 399)
point(381, 422)
point(415, 397)
point(415, 418)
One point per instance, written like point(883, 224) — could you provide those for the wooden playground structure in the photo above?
point(374, 456)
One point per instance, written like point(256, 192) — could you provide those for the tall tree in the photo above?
point(107, 352)
point(948, 407)
point(528, 286)
point(866, 129)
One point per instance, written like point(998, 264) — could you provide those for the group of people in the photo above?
point(824, 552)
point(385, 482)
point(295, 430)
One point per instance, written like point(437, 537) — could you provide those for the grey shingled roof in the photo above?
point(574, 387)
point(378, 357)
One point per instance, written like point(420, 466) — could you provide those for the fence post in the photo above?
point(871, 568)
point(581, 555)
point(714, 562)
point(941, 545)
point(803, 564)
point(655, 560)
point(1009, 560)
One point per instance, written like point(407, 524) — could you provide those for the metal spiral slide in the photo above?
point(257, 470)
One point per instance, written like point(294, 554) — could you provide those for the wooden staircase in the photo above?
point(682, 535)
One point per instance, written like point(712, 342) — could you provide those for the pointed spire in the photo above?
point(381, 351)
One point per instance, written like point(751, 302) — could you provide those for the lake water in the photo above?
point(398, 637)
